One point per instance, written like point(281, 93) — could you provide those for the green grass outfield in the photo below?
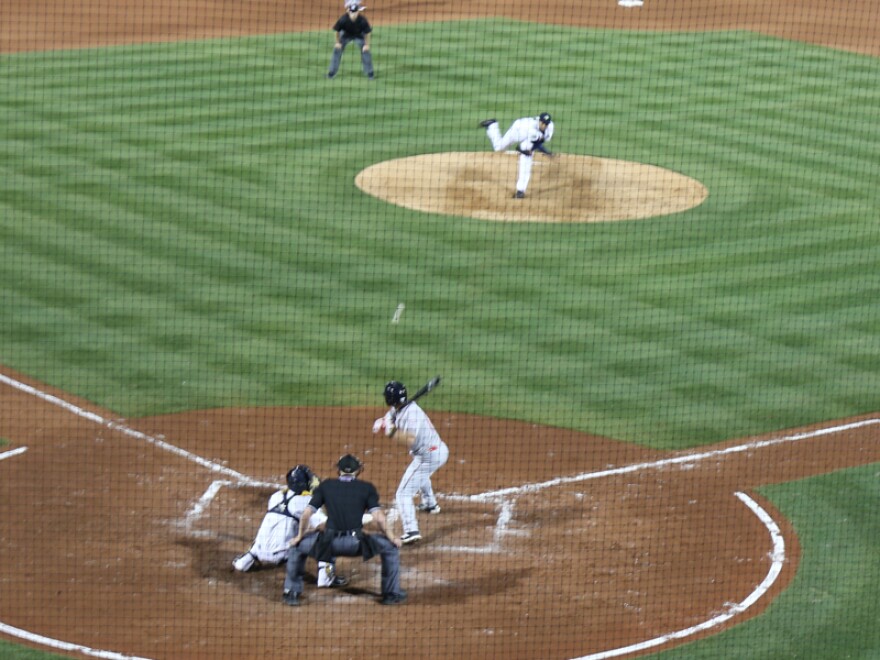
point(180, 230)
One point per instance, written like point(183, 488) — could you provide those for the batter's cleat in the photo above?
point(339, 581)
point(291, 599)
point(433, 510)
point(486, 123)
point(519, 194)
point(393, 599)
point(411, 537)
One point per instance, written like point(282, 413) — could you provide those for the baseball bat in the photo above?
point(423, 390)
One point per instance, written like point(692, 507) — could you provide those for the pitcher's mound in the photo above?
point(566, 188)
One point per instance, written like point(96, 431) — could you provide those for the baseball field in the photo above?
point(660, 369)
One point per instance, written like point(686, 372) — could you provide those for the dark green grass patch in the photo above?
point(180, 229)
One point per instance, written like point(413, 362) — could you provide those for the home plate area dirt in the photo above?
point(572, 544)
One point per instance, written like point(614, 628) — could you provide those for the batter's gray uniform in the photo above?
point(429, 453)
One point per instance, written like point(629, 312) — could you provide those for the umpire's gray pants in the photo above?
point(366, 57)
point(344, 546)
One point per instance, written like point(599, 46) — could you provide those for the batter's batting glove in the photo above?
point(390, 423)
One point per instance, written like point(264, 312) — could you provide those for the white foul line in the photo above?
point(127, 430)
point(665, 462)
point(12, 452)
point(64, 646)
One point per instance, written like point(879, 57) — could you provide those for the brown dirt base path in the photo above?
point(42, 25)
point(118, 535)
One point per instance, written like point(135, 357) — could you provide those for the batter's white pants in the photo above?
point(417, 481)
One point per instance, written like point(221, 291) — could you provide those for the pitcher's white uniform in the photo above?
point(528, 135)
point(279, 526)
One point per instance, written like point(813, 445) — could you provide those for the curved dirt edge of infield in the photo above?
point(564, 189)
point(587, 558)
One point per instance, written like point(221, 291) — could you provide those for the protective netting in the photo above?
point(227, 225)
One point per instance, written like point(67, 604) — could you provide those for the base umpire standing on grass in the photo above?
point(346, 500)
point(352, 26)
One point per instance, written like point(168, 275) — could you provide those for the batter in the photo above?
point(409, 424)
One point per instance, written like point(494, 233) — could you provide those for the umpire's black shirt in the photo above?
point(346, 499)
point(353, 28)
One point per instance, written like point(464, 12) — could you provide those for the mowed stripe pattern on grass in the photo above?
point(181, 229)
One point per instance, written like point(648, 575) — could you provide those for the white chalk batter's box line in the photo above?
point(502, 497)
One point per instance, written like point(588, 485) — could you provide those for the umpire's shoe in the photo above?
point(291, 599)
point(393, 599)
point(486, 123)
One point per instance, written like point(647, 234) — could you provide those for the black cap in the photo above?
point(349, 464)
point(545, 118)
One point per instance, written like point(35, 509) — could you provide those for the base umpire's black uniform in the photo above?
point(346, 500)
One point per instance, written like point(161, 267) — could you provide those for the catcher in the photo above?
point(281, 524)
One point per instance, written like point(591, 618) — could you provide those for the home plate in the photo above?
point(630, 3)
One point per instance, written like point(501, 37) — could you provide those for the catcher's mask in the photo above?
point(300, 478)
point(349, 464)
point(395, 393)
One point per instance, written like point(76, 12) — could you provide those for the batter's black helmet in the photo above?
point(349, 464)
point(299, 479)
point(395, 393)
point(545, 118)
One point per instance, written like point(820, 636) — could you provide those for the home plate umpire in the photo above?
point(346, 499)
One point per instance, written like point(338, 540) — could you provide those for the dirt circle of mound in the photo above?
point(567, 188)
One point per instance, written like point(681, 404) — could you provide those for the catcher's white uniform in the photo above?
point(528, 135)
point(279, 526)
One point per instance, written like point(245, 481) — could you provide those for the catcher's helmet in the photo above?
point(395, 393)
point(545, 118)
point(300, 479)
point(349, 464)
